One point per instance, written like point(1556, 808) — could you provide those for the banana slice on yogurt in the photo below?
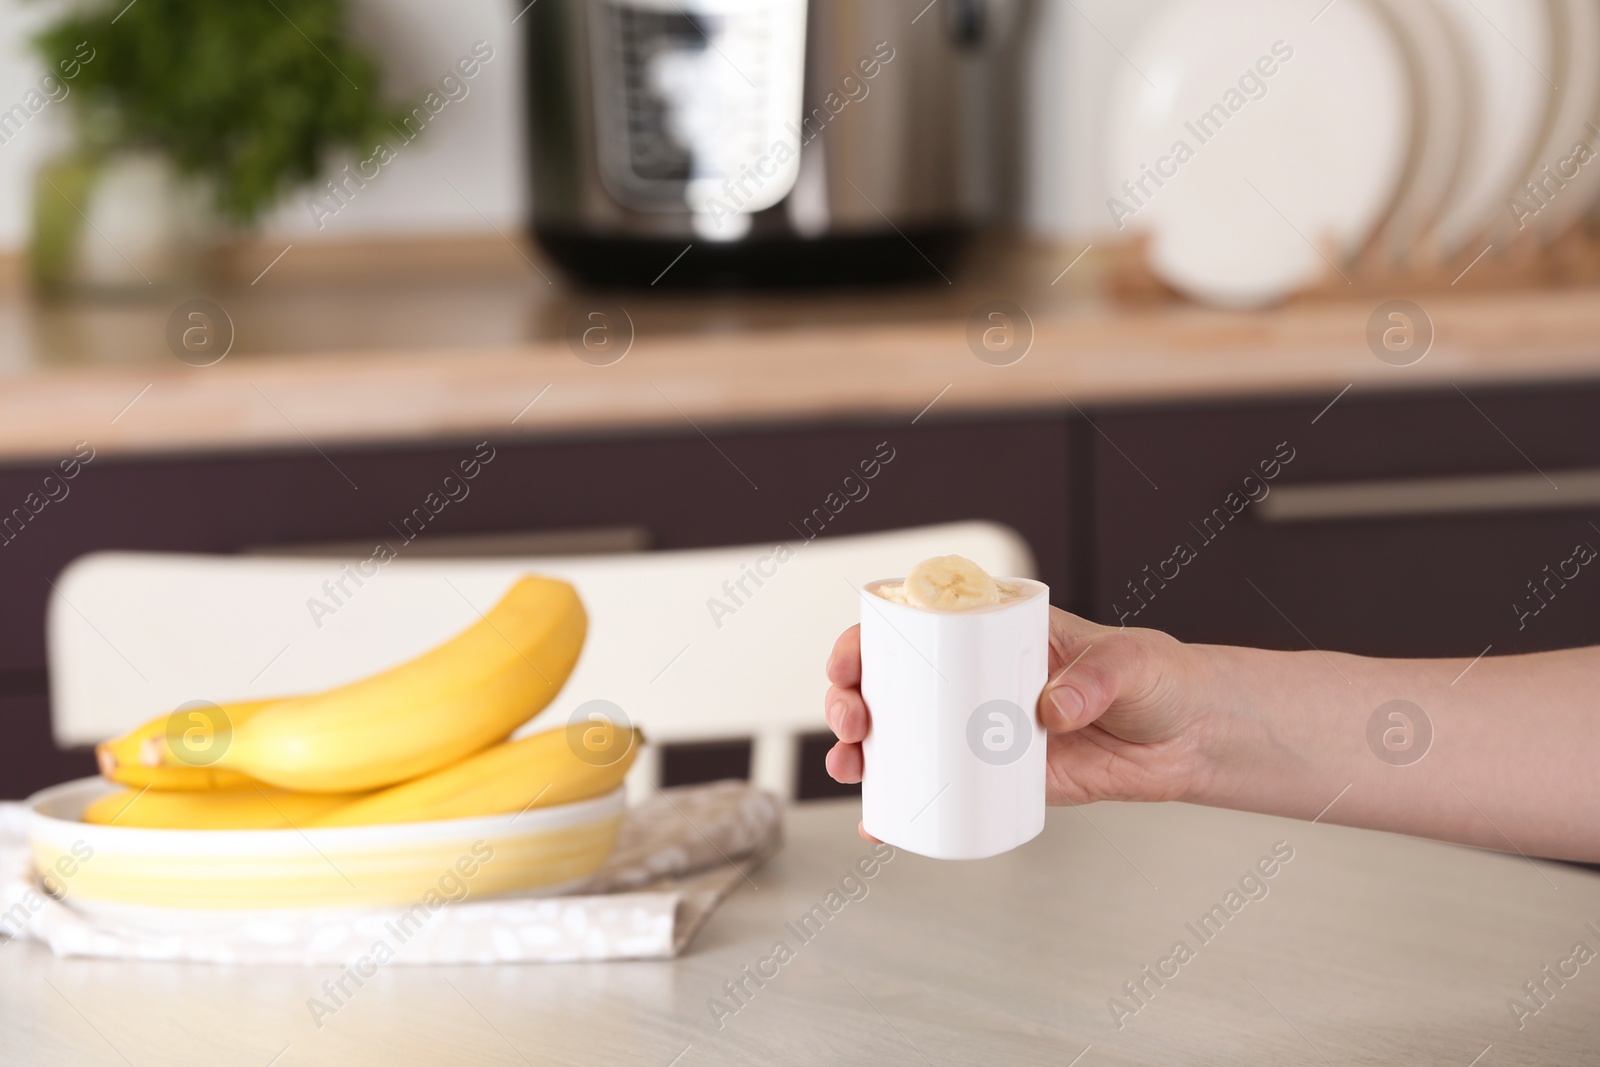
point(950, 583)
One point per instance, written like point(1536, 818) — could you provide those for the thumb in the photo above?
point(1095, 665)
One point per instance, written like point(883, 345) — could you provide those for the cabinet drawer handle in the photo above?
point(1423, 497)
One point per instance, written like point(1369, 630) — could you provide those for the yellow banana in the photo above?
point(249, 808)
point(142, 757)
point(424, 714)
point(535, 772)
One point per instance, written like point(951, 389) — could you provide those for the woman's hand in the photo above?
point(1137, 715)
point(1119, 708)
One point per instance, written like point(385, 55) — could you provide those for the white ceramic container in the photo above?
point(955, 758)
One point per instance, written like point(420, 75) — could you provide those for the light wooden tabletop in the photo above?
point(1366, 948)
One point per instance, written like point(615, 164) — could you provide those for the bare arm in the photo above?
point(1512, 763)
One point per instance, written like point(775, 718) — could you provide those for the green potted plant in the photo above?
point(190, 116)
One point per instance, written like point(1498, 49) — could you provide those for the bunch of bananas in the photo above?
point(420, 741)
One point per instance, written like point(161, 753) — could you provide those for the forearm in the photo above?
point(1513, 763)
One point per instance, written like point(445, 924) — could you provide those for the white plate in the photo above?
point(1511, 45)
point(1291, 166)
point(1444, 112)
point(1566, 193)
point(545, 850)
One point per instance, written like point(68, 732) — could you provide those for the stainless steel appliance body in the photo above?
point(779, 141)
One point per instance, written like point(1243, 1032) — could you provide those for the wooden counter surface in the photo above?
point(1361, 947)
point(324, 361)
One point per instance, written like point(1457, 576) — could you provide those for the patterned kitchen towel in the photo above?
point(679, 853)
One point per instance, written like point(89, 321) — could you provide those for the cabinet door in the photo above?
point(1443, 508)
point(30, 760)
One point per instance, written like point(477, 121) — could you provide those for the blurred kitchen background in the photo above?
point(1266, 323)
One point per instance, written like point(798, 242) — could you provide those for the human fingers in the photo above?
point(844, 763)
point(847, 714)
point(844, 662)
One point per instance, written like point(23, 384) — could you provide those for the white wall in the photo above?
point(21, 154)
point(476, 143)
point(1080, 47)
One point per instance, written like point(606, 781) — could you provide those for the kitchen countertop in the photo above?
point(1360, 947)
point(459, 342)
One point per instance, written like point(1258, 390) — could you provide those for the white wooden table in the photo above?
point(1367, 948)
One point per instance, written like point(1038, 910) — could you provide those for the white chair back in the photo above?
point(692, 645)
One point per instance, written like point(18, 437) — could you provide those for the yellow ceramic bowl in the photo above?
point(543, 851)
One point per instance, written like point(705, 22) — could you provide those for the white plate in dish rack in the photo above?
point(1511, 48)
point(1295, 171)
point(1445, 111)
point(1572, 122)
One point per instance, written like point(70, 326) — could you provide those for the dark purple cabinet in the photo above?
point(742, 486)
point(1394, 578)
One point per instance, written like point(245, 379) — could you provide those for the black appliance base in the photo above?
point(928, 255)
